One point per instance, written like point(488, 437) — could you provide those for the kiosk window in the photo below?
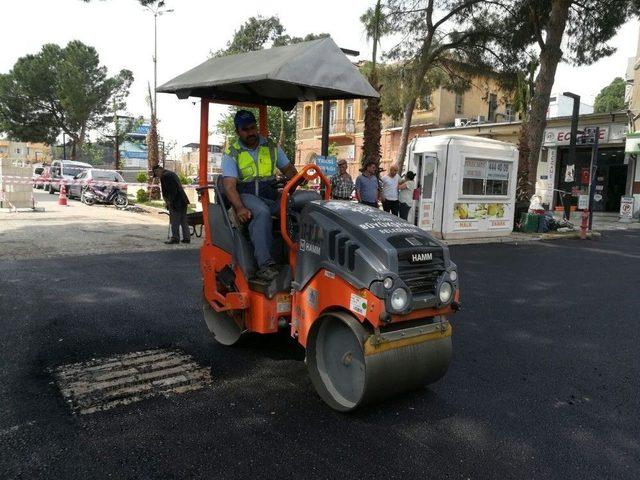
point(485, 177)
point(428, 177)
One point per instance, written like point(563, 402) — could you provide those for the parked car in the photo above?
point(102, 178)
point(36, 175)
point(65, 170)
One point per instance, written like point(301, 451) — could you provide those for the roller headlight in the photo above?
point(445, 292)
point(453, 275)
point(388, 283)
point(399, 299)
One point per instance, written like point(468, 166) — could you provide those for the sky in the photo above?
point(122, 33)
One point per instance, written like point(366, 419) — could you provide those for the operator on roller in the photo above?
point(248, 171)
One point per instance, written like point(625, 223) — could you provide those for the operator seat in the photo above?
point(228, 233)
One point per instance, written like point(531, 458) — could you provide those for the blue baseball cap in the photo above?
point(243, 118)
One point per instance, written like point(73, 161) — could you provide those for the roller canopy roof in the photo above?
point(280, 76)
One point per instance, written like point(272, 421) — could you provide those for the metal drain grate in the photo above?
point(104, 383)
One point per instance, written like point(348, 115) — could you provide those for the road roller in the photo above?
point(368, 295)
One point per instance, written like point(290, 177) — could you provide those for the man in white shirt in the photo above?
point(390, 201)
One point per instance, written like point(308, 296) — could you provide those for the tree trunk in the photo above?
point(152, 157)
point(372, 126)
point(281, 139)
point(522, 191)
point(550, 56)
point(404, 136)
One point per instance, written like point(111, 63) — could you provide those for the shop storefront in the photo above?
point(557, 174)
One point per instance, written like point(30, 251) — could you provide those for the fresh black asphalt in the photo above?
point(545, 381)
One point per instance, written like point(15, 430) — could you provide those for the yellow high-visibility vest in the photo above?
point(250, 170)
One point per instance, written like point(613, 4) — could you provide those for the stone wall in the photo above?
point(13, 194)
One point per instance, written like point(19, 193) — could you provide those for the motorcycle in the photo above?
point(92, 194)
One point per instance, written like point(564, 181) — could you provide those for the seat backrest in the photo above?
point(299, 198)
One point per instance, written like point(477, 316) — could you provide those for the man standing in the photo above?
point(367, 185)
point(248, 171)
point(390, 201)
point(341, 182)
point(176, 201)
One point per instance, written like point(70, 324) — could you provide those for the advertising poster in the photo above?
point(482, 216)
point(626, 208)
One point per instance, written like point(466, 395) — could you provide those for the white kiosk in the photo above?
point(466, 185)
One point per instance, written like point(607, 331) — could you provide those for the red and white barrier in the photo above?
point(11, 179)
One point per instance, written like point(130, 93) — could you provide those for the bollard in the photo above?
point(584, 225)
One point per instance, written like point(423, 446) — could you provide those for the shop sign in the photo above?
point(626, 207)
point(618, 132)
point(562, 135)
point(632, 144)
point(475, 169)
point(328, 165)
point(497, 171)
point(583, 202)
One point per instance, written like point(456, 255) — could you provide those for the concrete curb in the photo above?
point(521, 238)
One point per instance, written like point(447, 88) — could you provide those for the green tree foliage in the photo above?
point(261, 32)
point(255, 34)
point(59, 90)
point(452, 36)
point(551, 31)
point(611, 97)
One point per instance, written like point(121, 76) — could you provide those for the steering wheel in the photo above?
point(309, 172)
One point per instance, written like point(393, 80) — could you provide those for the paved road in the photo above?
point(545, 381)
point(79, 229)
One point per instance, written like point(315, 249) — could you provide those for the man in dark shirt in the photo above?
point(177, 201)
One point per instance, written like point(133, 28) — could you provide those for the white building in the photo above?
point(562, 106)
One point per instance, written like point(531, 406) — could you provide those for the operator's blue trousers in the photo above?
point(261, 225)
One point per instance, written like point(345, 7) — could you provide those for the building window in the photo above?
point(363, 107)
point(307, 116)
point(459, 103)
point(333, 113)
point(318, 115)
point(18, 151)
point(493, 106)
point(485, 177)
point(424, 102)
point(508, 110)
point(348, 110)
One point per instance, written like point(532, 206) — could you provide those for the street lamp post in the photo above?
point(157, 11)
point(575, 115)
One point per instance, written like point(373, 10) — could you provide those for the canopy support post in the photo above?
point(262, 121)
point(203, 167)
point(324, 148)
point(204, 142)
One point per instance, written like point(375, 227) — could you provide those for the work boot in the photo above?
point(268, 271)
point(172, 241)
point(186, 240)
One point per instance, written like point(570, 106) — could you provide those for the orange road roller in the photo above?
point(367, 294)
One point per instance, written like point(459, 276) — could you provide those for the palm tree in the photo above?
point(375, 28)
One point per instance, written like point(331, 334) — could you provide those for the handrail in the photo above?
point(309, 172)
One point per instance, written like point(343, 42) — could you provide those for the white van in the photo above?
point(65, 170)
point(466, 185)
